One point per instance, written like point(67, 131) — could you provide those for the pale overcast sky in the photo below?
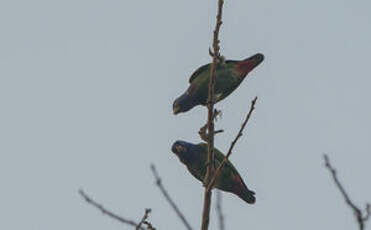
point(86, 92)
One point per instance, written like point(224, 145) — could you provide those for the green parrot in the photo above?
point(195, 158)
point(229, 75)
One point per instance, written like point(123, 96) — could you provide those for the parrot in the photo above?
point(194, 156)
point(228, 76)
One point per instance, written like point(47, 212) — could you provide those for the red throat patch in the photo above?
point(242, 68)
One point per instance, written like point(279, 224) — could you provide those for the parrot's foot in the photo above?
point(219, 58)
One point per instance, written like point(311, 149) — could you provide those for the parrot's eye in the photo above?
point(180, 148)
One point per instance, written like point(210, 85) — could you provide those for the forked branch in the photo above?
point(361, 216)
point(107, 212)
point(144, 219)
point(210, 120)
point(203, 130)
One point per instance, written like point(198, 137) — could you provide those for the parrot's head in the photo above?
point(184, 150)
point(244, 67)
point(182, 104)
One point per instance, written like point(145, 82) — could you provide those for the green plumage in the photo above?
point(195, 158)
point(198, 169)
point(228, 76)
point(226, 81)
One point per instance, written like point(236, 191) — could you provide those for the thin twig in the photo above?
point(144, 218)
point(166, 195)
point(368, 212)
point(239, 134)
point(361, 216)
point(219, 210)
point(210, 121)
point(202, 132)
point(107, 212)
point(204, 136)
point(149, 225)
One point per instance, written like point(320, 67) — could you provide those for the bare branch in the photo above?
point(210, 120)
point(239, 134)
point(204, 136)
point(149, 225)
point(368, 212)
point(144, 218)
point(166, 195)
point(361, 216)
point(107, 212)
point(202, 132)
point(219, 210)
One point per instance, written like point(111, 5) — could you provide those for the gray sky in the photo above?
point(86, 89)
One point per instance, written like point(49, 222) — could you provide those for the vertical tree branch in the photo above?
point(210, 121)
point(361, 216)
point(202, 132)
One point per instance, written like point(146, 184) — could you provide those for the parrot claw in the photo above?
point(220, 59)
point(211, 52)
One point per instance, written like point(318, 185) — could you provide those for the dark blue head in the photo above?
point(184, 150)
point(183, 103)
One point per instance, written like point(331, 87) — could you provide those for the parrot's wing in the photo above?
point(198, 71)
point(204, 68)
point(195, 173)
point(219, 157)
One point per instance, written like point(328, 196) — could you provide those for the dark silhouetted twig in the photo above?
point(166, 195)
point(144, 218)
point(210, 120)
point(219, 210)
point(107, 212)
point(361, 216)
point(202, 132)
point(149, 225)
point(239, 134)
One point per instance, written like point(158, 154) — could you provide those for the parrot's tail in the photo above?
point(248, 196)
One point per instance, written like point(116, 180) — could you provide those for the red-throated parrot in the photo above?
point(229, 75)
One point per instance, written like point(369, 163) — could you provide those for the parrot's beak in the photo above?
point(257, 58)
point(176, 110)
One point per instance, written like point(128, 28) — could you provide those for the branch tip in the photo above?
point(239, 134)
point(169, 200)
point(105, 211)
point(361, 216)
point(144, 218)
